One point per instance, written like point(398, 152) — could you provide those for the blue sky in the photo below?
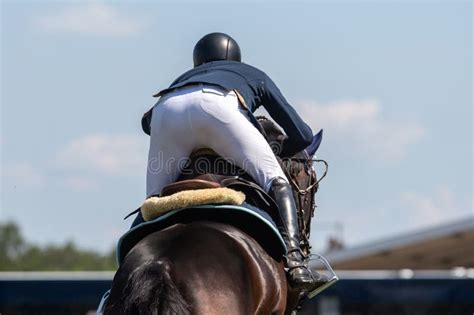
point(389, 82)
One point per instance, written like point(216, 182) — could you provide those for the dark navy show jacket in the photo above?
point(256, 89)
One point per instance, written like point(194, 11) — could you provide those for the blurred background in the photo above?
point(390, 82)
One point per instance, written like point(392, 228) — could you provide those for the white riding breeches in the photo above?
point(203, 116)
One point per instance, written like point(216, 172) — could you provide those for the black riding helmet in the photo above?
point(216, 46)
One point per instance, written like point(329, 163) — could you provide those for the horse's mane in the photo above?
point(275, 133)
point(272, 131)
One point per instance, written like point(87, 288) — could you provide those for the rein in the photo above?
point(311, 184)
point(304, 192)
point(302, 176)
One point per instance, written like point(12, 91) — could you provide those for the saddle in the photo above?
point(209, 188)
point(201, 182)
point(222, 193)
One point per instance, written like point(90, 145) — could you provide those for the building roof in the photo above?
point(441, 247)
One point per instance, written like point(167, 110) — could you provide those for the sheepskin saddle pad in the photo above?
point(156, 206)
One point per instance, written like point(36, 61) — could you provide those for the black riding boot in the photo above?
point(300, 276)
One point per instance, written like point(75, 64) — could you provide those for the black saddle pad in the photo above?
point(255, 222)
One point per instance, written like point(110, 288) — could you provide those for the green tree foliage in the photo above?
point(18, 255)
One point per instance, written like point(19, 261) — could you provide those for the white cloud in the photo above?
point(120, 154)
point(91, 18)
point(360, 128)
point(438, 207)
point(22, 174)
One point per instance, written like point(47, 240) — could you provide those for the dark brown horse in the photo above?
point(209, 268)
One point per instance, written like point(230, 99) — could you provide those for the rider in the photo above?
point(211, 106)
